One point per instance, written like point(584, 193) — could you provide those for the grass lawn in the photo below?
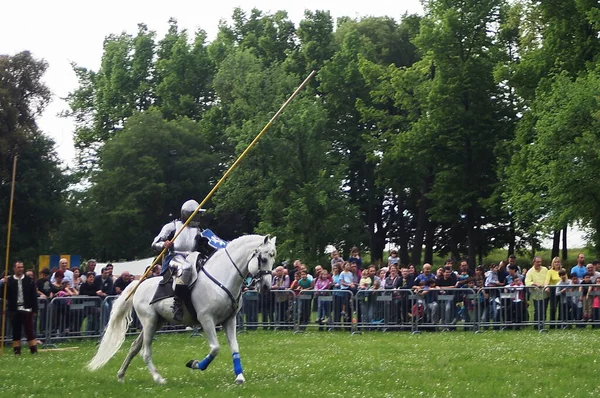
point(523, 363)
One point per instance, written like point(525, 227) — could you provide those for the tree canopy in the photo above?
point(465, 129)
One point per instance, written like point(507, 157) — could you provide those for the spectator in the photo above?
point(68, 274)
point(295, 270)
point(591, 271)
point(586, 298)
point(77, 280)
point(322, 284)
point(90, 288)
point(104, 283)
point(91, 267)
point(536, 277)
point(552, 279)
point(430, 293)
point(61, 289)
point(355, 258)
point(43, 285)
point(411, 270)
point(280, 285)
point(30, 274)
point(250, 300)
point(122, 282)
point(579, 269)
point(336, 259)
point(21, 306)
point(518, 301)
point(393, 258)
point(512, 260)
point(561, 290)
point(110, 268)
point(446, 283)
point(424, 277)
point(463, 275)
point(305, 303)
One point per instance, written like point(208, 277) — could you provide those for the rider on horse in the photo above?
point(189, 240)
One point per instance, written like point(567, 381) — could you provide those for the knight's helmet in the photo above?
point(187, 209)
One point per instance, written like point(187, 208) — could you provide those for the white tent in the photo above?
point(137, 267)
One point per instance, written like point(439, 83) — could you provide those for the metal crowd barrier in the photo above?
point(468, 309)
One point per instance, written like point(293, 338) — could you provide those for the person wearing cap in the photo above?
point(21, 306)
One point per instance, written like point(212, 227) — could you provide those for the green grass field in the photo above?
point(523, 363)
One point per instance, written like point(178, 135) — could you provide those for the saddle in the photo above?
point(166, 287)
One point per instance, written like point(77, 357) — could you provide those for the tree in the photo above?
point(145, 174)
point(40, 182)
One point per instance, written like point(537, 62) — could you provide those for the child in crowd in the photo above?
point(393, 258)
point(586, 298)
point(561, 290)
point(365, 281)
point(322, 284)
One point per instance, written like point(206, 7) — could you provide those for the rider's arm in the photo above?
point(158, 243)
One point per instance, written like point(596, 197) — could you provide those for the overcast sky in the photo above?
point(65, 31)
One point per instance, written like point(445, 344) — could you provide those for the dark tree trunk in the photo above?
point(564, 244)
point(454, 243)
point(513, 238)
point(471, 235)
point(429, 235)
point(556, 243)
point(422, 221)
point(402, 235)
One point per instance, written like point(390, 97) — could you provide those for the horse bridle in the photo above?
point(259, 274)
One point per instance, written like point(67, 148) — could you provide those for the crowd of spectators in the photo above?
point(73, 291)
point(502, 294)
point(345, 292)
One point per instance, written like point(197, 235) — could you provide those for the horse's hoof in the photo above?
point(192, 364)
point(240, 379)
point(160, 380)
point(121, 379)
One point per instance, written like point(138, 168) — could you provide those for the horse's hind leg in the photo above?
point(133, 351)
point(150, 327)
point(208, 327)
point(231, 333)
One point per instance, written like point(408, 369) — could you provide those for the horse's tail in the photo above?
point(114, 336)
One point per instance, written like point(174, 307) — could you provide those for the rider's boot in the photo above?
point(178, 305)
point(183, 292)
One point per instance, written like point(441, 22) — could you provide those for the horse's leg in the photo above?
point(230, 332)
point(208, 326)
point(150, 327)
point(133, 351)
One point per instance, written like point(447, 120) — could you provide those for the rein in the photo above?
point(235, 300)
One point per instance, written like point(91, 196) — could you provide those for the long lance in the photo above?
point(5, 283)
point(223, 178)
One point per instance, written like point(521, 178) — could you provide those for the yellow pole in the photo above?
point(10, 210)
point(227, 173)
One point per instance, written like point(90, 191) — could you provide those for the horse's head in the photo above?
point(261, 263)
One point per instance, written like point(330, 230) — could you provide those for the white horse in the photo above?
point(216, 298)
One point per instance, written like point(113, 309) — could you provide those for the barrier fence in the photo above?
point(410, 310)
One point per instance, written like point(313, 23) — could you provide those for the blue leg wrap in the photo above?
point(202, 365)
point(237, 363)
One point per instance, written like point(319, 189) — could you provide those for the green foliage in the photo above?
point(40, 179)
point(146, 173)
point(467, 129)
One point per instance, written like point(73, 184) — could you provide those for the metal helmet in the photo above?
point(188, 208)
